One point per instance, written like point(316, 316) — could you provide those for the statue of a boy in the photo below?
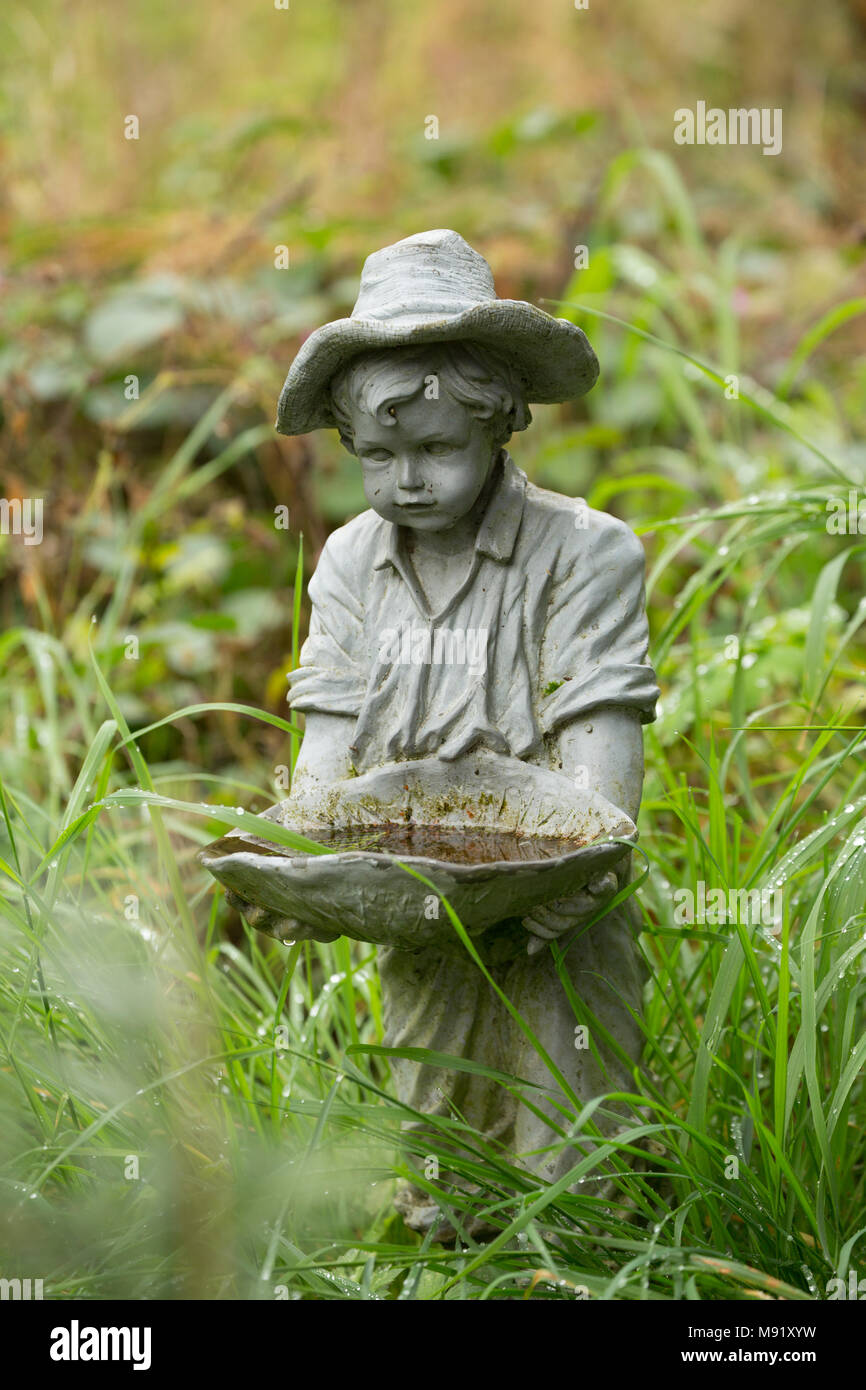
point(426, 382)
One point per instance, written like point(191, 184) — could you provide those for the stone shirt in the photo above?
point(549, 624)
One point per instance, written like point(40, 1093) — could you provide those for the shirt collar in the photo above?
point(497, 533)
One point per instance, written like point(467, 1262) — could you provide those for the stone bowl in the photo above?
point(568, 835)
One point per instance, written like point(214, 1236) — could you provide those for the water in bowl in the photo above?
point(445, 844)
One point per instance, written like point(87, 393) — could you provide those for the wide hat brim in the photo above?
point(552, 357)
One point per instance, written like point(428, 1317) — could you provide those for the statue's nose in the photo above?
point(408, 474)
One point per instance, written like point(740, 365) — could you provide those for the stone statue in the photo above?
point(476, 662)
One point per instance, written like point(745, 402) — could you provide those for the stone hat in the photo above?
point(434, 288)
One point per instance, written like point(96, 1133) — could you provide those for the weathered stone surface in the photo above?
point(477, 660)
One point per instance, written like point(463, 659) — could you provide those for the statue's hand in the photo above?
point(272, 924)
point(561, 916)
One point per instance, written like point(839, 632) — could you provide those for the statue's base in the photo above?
point(422, 1214)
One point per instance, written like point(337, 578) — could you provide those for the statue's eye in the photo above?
point(377, 455)
point(438, 447)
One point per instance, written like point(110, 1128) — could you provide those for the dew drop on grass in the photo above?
point(849, 808)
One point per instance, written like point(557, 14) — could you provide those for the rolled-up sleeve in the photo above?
point(596, 636)
point(331, 676)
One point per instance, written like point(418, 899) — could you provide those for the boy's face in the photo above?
point(426, 470)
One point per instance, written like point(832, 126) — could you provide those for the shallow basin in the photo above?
point(497, 837)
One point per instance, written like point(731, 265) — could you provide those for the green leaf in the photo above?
point(131, 319)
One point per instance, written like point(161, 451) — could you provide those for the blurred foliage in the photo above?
point(145, 330)
point(140, 281)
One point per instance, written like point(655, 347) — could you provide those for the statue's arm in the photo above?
point(325, 755)
point(608, 742)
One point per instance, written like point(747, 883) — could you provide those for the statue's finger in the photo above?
point(539, 929)
point(603, 885)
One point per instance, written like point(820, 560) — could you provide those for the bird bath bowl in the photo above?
point(497, 837)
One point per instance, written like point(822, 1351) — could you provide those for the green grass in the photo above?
point(190, 1110)
point(132, 1029)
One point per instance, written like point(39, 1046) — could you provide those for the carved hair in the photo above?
point(475, 376)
